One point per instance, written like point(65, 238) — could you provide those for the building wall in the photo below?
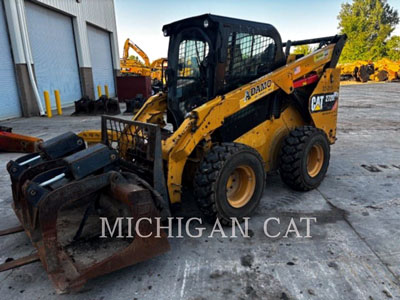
point(9, 101)
point(99, 13)
point(51, 37)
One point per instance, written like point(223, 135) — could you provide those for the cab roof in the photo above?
point(214, 21)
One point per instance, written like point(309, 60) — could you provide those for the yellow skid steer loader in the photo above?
point(236, 106)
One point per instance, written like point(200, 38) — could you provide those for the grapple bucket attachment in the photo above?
point(68, 201)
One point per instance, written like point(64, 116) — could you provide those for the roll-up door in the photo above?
point(9, 100)
point(101, 59)
point(51, 37)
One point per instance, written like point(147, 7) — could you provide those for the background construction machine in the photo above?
point(386, 70)
point(363, 71)
point(140, 78)
point(237, 105)
point(134, 66)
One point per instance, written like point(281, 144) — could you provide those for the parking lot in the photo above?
point(353, 253)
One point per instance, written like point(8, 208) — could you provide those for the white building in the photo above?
point(71, 45)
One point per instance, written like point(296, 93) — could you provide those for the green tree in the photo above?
point(303, 49)
point(368, 24)
point(393, 48)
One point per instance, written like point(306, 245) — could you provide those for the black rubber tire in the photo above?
point(293, 158)
point(212, 175)
point(363, 73)
point(383, 75)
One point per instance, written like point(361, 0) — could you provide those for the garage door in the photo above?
point(9, 100)
point(101, 59)
point(52, 42)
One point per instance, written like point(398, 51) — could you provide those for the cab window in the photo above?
point(248, 56)
point(191, 90)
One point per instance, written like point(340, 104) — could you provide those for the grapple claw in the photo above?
point(62, 197)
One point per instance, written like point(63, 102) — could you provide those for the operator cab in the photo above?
point(211, 55)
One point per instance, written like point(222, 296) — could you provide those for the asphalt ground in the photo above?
point(353, 253)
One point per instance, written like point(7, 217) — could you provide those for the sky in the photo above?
point(142, 21)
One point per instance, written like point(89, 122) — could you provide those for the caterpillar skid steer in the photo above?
point(236, 106)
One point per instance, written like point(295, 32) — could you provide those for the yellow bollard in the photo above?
point(48, 104)
point(58, 102)
point(106, 91)
point(99, 90)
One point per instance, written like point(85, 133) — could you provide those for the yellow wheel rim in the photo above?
point(240, 186)
point(315, 160)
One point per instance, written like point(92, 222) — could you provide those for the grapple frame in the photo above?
point(59, 201)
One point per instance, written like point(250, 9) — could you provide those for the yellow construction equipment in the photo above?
point(386, 70)
point(138, 67)
point(381, 70)
point(157, 67)
point(135, 66)
point(359, 70)
point(235, 107)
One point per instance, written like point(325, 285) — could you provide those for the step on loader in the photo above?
point(237, 105)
